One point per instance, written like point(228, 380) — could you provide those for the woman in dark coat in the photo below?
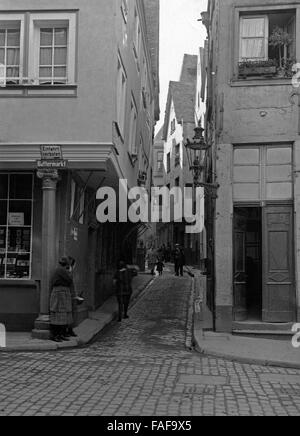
point(61, 301)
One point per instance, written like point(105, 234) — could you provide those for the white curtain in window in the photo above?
point(254, 36)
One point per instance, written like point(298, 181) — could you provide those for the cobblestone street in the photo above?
point(142, 367)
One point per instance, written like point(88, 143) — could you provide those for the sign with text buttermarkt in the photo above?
point(51, 158)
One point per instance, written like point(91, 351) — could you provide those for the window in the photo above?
point(121, 96)
point(53, 55)
point(11, 48)
point(43, 55)
point(16, 201)
point(160, 161)
point(263, 173)
point(53, 47)
point(10, 54)
point(267, 44)
point(133, 130)
point(168, 162)
point(177, 155)
point(254, 38)
point(177, 185)
point(173, 126)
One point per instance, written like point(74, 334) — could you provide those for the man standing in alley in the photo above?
point(179, 260)
point(123, 288)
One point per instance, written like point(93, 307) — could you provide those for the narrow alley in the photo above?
point(142, 367)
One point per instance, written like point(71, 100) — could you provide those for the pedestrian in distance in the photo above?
point(160, 267)
point(123, 288)
point(62, 286)
point(151, 259)
point(179, 260)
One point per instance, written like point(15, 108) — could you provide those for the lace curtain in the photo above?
point(253, 38)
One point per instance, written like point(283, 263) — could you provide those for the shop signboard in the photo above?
point(51, 158)
point(16, 219)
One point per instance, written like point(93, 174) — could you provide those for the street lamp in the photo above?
point(194, 152)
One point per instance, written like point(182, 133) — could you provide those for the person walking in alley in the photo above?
point(160, 266)
point(62, 286)
point(151, 259)
point(123, 288)
point(179, 260)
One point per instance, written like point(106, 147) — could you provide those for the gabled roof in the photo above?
point(189, 68)
point(183, 94)
point(159, 135)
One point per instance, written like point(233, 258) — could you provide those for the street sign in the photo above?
point(52, 164)
point(51, 158)
point(51, 152)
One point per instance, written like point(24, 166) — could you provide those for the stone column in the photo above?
point(297, 222)
point(48, 250)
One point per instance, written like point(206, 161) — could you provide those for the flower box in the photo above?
point(248, 69)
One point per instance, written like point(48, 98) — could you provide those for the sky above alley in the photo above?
point(180, 33)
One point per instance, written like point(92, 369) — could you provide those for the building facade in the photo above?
point(79, 93)
point(172, 161)
point(252, 126)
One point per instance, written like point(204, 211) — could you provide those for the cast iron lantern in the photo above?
point(194, 152)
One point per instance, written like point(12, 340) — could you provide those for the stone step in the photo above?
point(265, 334)
point(257, 326)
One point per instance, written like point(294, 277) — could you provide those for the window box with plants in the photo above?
point(257, 68)
point(281, 41)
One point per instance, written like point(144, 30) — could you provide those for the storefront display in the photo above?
point(16, 226)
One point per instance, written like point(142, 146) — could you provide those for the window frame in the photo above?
point(265, 38)
point(263, 181)
point(5, 19)
point(24, 226)
point(168, 157)
point(121, 96)
point(133, 124)
point(238, 11)
point(160, 162)
point(49, 20)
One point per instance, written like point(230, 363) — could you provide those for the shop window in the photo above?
point(16, 204)
point(267, 44)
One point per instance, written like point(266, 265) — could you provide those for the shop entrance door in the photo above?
point(264, 288)
point(278, 278)
point(247, 263)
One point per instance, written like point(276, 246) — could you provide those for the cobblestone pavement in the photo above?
point(141, 367)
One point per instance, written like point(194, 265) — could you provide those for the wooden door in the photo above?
point(240, 276)
point(278, 265)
